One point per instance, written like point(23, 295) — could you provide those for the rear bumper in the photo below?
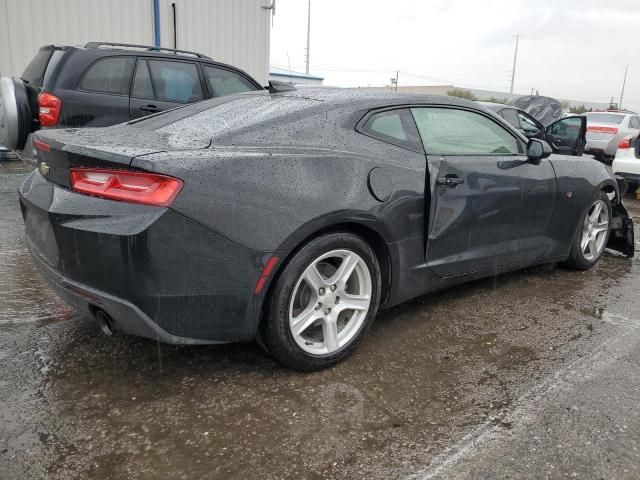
point(627, 165)
point(157, 273)
point(125, 316)
point(608, 147)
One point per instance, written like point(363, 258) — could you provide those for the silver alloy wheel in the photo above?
point(330, 302)
point(594, 231)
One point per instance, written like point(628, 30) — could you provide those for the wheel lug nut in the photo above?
point(333, 288)
point(327, 311)
point(318, 306)
point(321, 291)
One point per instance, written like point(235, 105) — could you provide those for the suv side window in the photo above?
point(109, 75)
point(142, 87)
point(634, 122)
point(223, 82)
point(394, 126)
point(170, 81)
point(449, 131)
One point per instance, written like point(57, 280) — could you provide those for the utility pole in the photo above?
point(308, 34)
point(515, 57)
point(624, 82)
point(397, 73)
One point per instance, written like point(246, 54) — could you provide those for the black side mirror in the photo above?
point(538, 149)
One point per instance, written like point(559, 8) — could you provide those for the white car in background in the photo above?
point(627, 161)
point(605, 130)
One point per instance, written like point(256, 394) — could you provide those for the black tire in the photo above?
point(577, 258)
point(275, 330)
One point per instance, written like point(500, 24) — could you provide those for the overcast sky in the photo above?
point(573, 49)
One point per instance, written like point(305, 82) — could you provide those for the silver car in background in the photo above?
point(605, 131)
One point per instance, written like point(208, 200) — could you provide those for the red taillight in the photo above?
point(268, 269)
point(625, 143)
point(612, 130)
point(134, 187)
point(49, 107)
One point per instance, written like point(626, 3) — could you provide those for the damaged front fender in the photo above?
point(621, 238)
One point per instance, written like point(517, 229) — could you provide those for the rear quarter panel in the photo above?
point(269, 199)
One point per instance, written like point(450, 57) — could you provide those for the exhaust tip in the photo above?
point(105, 322)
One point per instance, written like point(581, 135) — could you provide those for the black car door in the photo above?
point(161, 84)
point(490, 206)
point(568, 135)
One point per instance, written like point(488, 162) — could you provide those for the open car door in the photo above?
point(567, 136)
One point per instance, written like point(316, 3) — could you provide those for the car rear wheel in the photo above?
point(323, 302)
point(593, 234)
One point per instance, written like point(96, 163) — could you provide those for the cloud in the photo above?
point(570, 48)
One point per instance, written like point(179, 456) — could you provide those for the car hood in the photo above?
point(546, 110)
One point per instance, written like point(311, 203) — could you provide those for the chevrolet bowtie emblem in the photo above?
point(44, 168)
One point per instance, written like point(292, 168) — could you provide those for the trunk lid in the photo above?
point(601, 131)
point(57, 151)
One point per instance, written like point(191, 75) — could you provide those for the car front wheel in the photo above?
point(593, 234)
point(323, 302)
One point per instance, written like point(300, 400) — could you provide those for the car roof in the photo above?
point(496, 106)
point(354, 97)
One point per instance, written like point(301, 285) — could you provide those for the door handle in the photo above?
point(150, 108)
point(449, 181)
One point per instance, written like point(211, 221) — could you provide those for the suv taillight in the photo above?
point(49, 107)
point(126, 186)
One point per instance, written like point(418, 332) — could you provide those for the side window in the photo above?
point(511, 116)
point(174, 81)
point(635, 122)
point(449, 131)
point(109, 75)
point(567, 127)
point(528, 125)
point(394, 126)
point(142, 87)
point(223, 82)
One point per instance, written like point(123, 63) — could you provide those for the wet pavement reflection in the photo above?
point(77, 404)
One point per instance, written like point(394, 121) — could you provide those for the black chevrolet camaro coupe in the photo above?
point(293, 216)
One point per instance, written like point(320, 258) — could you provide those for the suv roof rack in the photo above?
point(148, 48)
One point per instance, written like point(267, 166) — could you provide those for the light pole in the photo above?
point(308, 35)
point(624, 82)
point(515, 57)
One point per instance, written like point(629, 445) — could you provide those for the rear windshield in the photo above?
point(217, 117)
point(610, 118)
point(37, 72)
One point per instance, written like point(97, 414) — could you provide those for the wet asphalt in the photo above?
point(533, 374)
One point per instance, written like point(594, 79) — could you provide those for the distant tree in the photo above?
point(497, 100)
point(565, 105)
point(579, 109)
point(459, 92)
